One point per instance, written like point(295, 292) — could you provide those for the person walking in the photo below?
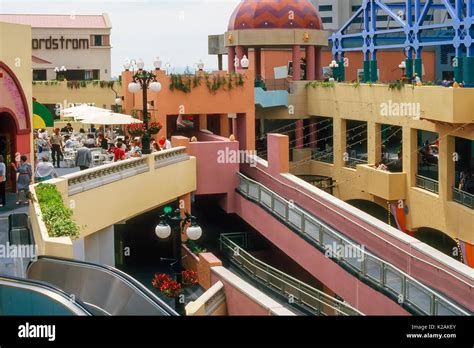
point(24, 179)
point(83, 158)
point(45, 170)
point(3, 181)
point(56, 145)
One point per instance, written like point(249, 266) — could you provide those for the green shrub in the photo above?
point(194, 247)
point(57, 218)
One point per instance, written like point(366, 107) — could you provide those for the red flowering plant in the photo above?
point(169, 287)
point(190, 277)
point(154, 127)
point(136, 129)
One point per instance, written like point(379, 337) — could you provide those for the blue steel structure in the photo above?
point(412, 35)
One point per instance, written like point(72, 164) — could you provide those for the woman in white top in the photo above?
point(3, 180)
point(45, 170)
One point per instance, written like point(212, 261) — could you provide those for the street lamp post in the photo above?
point(334, 67)
point(143, 80)
point(172, 224)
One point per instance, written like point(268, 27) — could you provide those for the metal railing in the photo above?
point(411, 294)
point(353, 162)
point(295, 290)
point(323, 156)
point(427, 184)
point(463, 198)
point(273, 84)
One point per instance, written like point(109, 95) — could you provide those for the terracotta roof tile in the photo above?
point(56, 21)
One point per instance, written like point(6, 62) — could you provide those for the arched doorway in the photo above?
point(8, 131)
point(15, 120)
point(439, 240)
point(374, 210)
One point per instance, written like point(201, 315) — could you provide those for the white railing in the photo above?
point(170, 156)
point(109, 173)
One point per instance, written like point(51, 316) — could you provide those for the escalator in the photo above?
point(103, 290)
point(22, 297)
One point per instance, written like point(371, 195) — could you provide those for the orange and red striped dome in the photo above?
point(275, 14)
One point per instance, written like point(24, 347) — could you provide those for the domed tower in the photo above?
point(284, 24)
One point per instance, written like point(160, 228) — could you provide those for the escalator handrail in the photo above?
point(127, 279)
point(317, 294)
point(375, 235)
point(76, 306)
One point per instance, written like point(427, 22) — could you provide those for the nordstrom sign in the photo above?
point(60, 43)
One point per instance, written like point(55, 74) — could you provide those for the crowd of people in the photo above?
point(51, 149)
point(105, 140)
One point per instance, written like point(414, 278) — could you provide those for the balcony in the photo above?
point(383, 184)
point(439, 104)
point(427, 184)
point(463, 198)
point(144, 183)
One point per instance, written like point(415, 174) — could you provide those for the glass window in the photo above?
point(97, 40)
point(39, 75)
point(325, 8)
point(326, 19)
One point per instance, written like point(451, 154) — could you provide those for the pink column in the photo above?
point(296, 63)
point(258, 61)
point(318, 64)
point(231, 56)
point(310, 63)
point(240, 53)
point(313, 134)
point(299, 134)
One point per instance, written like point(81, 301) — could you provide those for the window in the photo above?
point(326, 19)
point(382, 18)
point(92, 74)
point(325, 8)
point(355, 8)
point(96, 40)
point(100, 40)
point(39, 75)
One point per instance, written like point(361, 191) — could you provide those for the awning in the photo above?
point(42, 117)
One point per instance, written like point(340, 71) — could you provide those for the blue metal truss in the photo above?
point(412, 33)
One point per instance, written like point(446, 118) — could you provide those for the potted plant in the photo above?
point(136, 129)
point(154, 127)
point(169, 287)
point(190, 278)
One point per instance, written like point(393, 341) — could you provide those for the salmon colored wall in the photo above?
point(199, 101)
point(388, 63)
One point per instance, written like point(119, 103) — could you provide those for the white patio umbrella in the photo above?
point(82, 111)
point(110, 119)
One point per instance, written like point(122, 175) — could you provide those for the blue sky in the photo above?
point(174, 30)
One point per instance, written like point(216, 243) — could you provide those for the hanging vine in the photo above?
point(186, 82)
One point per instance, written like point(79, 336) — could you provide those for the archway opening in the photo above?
point(374, 210)
point(440, 241)
point(8, 146)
